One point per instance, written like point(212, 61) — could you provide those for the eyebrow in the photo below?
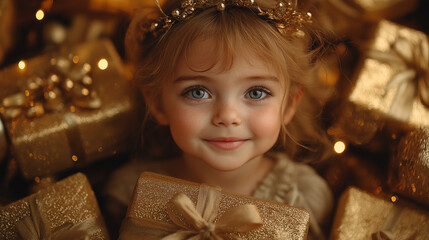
point(205, 78)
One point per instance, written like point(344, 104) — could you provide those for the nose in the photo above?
point(226, 114)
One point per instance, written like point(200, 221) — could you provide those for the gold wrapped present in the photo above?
point(364, 216)
point(66, 109)
point(409, 166)
point(392, 84)
point(165, 206)
point(65, 210)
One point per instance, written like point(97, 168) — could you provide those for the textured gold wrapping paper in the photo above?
point(369, 103)
point(70, 200)
point(360, 214)
point(153, 191)
point(409, 167)
point(46, 144)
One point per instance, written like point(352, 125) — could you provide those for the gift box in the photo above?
point(165, 206)
point(65, 210)
point(68, 108)
point(361, 215)
point(391, 86)
point(409, 166)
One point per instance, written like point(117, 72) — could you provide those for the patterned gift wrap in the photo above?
point(66, 210)
point(361, 215)
point(68, 108)
point(165, 206)
point(391, 87)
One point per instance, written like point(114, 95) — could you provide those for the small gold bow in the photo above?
point(387, 233)
point(66, 82)
point(198, 222)
point(411, 60)
point(34, 227)
point(192, 222)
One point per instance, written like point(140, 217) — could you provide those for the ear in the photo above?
point(293, 105)
point(155, 108)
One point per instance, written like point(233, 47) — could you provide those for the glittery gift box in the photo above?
point(149, 209)
point(409, 166)
point(361, 215)
point(64, 210)
point(390, 86)
point(98, 121)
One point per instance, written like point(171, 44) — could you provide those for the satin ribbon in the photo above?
point(34, 227)
point(66, 83)
point(411, 60)
point(195, 222)
point(388, 231)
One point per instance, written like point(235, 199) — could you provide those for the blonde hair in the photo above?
point(238, 30)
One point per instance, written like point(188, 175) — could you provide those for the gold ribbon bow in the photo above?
point(411, 60)
point(196, 222)
point(387, 233)
point(66, 82)
point(34, 227)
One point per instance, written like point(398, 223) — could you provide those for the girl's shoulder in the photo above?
point(298, 184)
point(285, 177)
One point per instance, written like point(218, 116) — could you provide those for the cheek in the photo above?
point(185, 122)
point(266, 123)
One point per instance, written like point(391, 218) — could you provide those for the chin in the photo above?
point(225, 167)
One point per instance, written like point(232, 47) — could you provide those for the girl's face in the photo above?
point(224, 117)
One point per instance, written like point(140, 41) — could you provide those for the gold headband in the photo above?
point(283, 15)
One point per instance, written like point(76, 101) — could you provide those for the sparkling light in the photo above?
point(394, 198)
point(40, 14)
point(103, 64)
point(75, 59)
point(74, 158)
point(339, 147)
point(21, 65)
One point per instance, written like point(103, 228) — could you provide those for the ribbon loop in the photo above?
point(201, 218)
point(34, 227)
point(192, 222)
point(388, 230)
point(65, 82)
point(412, 62)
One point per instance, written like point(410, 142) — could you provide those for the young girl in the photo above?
point(232, 82)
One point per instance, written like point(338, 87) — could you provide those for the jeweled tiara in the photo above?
point(283, 15)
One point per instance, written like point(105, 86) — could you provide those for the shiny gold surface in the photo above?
point(359, 215)
point(70, 200)
point(409, 168)
point(370, 88)
point(73, 136)
point(154, 191)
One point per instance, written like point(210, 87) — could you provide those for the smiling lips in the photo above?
point(226, 143)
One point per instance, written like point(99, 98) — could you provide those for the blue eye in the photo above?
point(197, 93)
point(257, 93)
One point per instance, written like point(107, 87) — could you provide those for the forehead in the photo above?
point(208, 54)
